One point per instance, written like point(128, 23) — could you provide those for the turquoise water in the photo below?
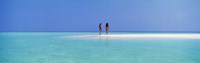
point(53, 47)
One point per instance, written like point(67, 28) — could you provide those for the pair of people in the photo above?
point(100, 28)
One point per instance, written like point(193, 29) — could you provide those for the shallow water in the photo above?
point(52, 47)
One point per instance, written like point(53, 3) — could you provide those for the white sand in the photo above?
point(124, 36)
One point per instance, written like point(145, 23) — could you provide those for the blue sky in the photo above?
point(85, 15)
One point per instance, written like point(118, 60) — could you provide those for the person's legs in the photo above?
point(106, 30)
point(100, 32)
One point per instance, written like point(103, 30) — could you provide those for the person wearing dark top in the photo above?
point(100, 29)
point(107, 28)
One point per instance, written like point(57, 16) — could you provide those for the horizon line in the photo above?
point(114, 31)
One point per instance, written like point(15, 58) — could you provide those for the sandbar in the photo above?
point(128, 36)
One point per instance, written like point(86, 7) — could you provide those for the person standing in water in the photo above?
point(107, 28)
point(100, 29)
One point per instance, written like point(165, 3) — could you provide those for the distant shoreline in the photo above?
point(116, 31)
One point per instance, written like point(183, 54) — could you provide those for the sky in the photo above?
point(85, 15)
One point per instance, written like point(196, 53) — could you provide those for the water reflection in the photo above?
point(100, 40)
point(103, 40)
point(107, 40)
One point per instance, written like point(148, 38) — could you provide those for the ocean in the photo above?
point(60, 47)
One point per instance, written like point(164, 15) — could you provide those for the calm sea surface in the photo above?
point(55, 47)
